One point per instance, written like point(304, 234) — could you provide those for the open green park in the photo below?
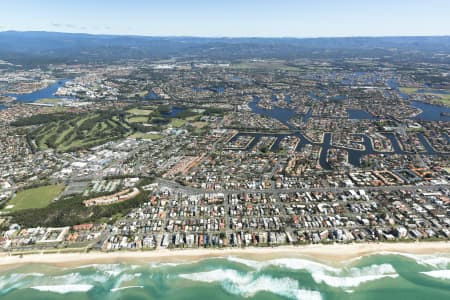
point(33, 198)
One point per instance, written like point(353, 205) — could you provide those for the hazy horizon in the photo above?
point(201, 18)
point(224, 36)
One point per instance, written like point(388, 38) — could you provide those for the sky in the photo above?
point(232, 18)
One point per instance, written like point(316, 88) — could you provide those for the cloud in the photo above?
point(59, 25)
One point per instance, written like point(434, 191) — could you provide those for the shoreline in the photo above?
point(337, 254)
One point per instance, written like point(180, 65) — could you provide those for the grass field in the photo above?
point(137, 119)
point(440, 98)
point(146, 136)
point(408, 90)
point(193, 118)
point(34, 198)
point(177, 123)
point(49, 101)
point(199, 124)
point(139, 112)
point(444, 98)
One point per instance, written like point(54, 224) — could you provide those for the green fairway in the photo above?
point(49, 101)
point(139, 112)
point(82, 131)
point(146, 136)
point(444, 99)
point(137, 119)
point(408, 90)
point(193, 118)
point(440, 98)
point(34, 198)
point(177, 123)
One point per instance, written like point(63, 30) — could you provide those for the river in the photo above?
point(48, 92)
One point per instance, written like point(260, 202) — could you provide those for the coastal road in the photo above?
point(190, 190)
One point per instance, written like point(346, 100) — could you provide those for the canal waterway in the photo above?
point(354, 156)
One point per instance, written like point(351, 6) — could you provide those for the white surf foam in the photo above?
point(162, 265)
point(247, 285)
point(346, 282)
point(321, 273)
point(15, 280)
point(127, 287)
point(111, 270)
point(77, 278)
point(288, 263)
point(436, 261)
point(63, 289)
point(125, 278)
point(441, 274)
point(353, 277)
point(171, 264)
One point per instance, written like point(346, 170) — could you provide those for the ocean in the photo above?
point(382, 276)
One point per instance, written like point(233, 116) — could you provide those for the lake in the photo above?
point(358, 114)
point(173, 112)
point(431, 112)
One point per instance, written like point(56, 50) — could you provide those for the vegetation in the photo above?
point(71, 211)
point(139, 112)
point(49, 101)
point(164, 109)
point(44, 119)
point(81, 131)
point(187, 114)
point(67, 132)
point(408, 90)
point(439, 98)
point(214, 111)
point(34, 198)
point(137, 119)
point(147, 136)
point(177, 123)
point(199, 124)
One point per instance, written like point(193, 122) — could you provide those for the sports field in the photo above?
point(33, 198)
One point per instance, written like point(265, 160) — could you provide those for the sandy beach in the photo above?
point(330, 254)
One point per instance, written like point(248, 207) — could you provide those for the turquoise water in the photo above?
point(374, 277)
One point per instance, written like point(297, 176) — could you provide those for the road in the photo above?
point(190, 190)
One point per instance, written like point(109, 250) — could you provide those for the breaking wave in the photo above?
point(14, 281)
point(436, 260)
point(441, 274)
point(321, 273)
point(64, 289)
point(247, 285)
point(111, 270)
point(127, 287)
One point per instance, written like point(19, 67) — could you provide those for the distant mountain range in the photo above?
point(51, 47)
